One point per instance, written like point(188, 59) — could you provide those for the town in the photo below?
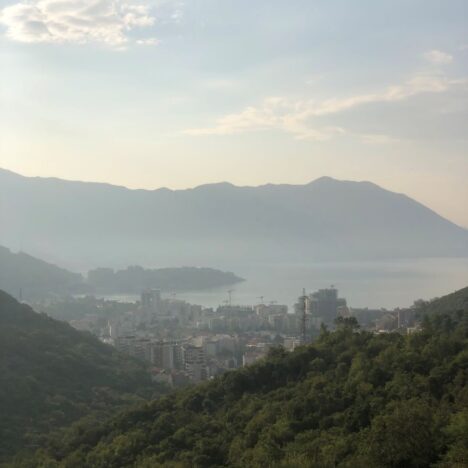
point(186, 343)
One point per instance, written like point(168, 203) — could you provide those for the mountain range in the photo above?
point(84, 225)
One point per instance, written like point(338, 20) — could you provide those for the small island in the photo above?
point(134, 279)
point(29, 278)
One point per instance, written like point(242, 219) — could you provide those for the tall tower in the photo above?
point(303, 317)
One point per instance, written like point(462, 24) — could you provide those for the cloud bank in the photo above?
point(76, 21)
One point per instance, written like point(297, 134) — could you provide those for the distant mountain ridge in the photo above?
point(85, 225)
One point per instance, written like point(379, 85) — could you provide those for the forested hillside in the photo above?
point(352, 399)
point(22, 274)
point(52, 375)
point(455, 301)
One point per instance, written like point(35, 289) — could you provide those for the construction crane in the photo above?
point(261, 299)
point(230, 296)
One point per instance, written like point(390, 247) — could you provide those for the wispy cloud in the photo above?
point(151, 41)
point(76, 21)
point(299, 117)
point(438, 57)
point(274, 113)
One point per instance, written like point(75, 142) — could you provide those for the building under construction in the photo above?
point(326, 306)
point(322, 306)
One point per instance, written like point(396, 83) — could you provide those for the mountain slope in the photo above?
point(51, 375)
point(23, 274)
point(351, 399)
point(87, 224)
point(449, 303)
point(33, 279)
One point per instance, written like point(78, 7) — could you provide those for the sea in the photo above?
point(383, 284)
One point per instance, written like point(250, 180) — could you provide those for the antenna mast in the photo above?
point(303, 307)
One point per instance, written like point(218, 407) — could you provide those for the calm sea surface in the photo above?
point(386, 284)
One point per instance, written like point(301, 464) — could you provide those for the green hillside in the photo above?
point(52, 375)
point(21, 273)
point(352, 399)
point(455, 301)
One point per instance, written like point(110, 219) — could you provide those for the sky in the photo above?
point(173, 93)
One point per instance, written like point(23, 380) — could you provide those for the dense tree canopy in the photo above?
point(455, 301)
point(52, 375)
point(351, 399)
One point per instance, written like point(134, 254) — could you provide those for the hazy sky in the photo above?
point(171, 93)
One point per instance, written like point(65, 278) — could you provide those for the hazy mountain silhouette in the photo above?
point(32, 279)
point(90, 224)
point(27, 276)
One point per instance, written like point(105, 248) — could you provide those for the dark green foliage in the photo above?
point(352, 399)
point(447, 304)
point(51, 375)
